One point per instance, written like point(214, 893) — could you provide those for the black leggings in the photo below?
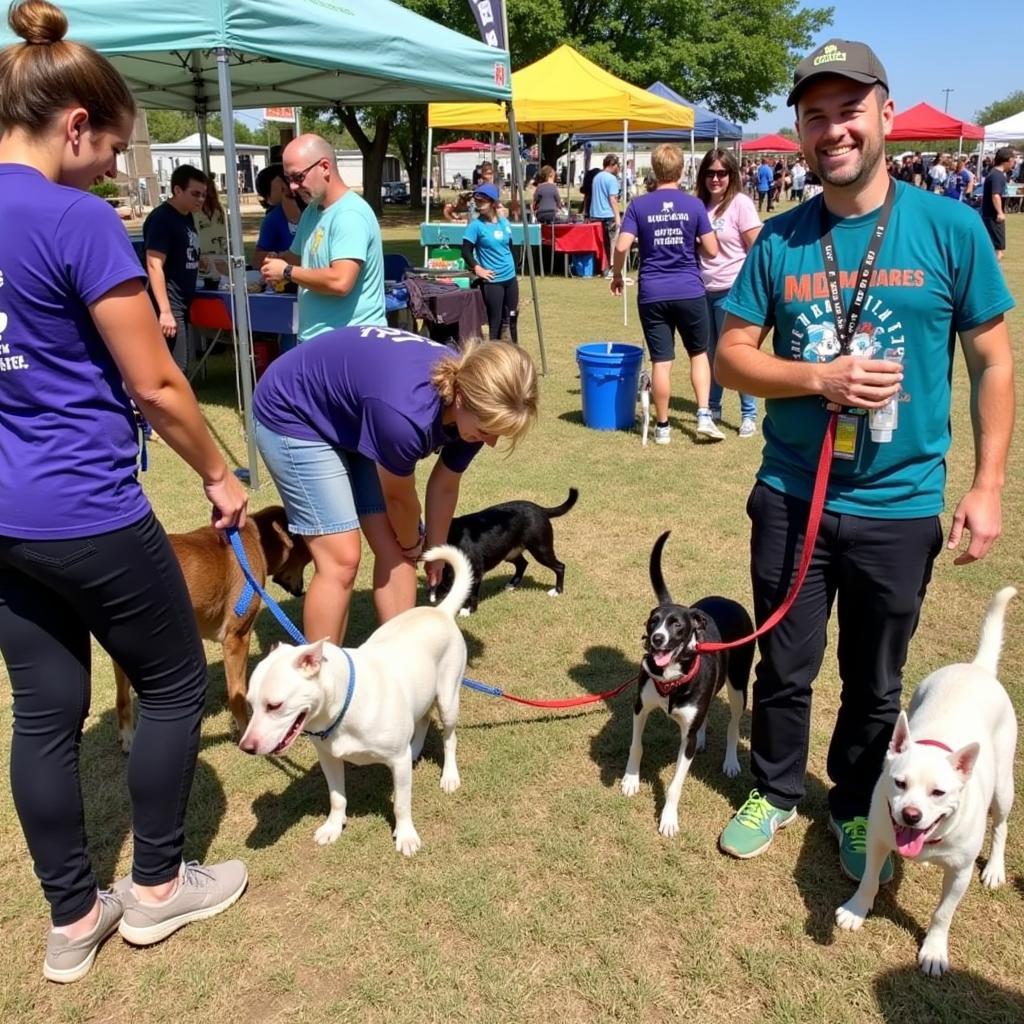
point(127, 590)
point(501, 298)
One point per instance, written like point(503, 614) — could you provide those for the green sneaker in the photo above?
point(753, 827)
point(852, 837)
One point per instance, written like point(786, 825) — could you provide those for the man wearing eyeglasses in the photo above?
point(172, 257)
point(336, 258)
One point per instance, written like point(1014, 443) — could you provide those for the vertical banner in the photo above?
point(490, 20)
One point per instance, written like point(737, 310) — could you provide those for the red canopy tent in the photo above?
point(770, 144)
point(471, 146)
point(924, 122)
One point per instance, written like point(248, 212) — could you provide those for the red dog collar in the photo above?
point(667, 686)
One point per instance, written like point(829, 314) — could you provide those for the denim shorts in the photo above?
point(323, 489)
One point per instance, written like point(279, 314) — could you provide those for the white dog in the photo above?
point(947, 768)
point(371, 704)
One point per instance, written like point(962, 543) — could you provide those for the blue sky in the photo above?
point(972, 48)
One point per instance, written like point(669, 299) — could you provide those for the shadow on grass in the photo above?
point(904, 994)
point(103, 771)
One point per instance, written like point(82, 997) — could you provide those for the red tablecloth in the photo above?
point(587, 236)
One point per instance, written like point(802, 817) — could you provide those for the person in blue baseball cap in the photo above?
point(487, 250)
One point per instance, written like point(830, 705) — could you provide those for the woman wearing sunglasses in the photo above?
point(736, 223)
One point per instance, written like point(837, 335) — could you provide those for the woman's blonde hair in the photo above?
point(667, 163)
point(47, 74)
point(498, 385)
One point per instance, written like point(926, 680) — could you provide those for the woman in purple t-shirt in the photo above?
point(342, 422)
point(670, 226)
point(80, 549)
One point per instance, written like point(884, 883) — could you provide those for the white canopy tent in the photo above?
point(1009, 129)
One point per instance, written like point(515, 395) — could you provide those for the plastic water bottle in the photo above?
point(882, 422)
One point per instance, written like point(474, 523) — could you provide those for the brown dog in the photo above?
point(215, 582)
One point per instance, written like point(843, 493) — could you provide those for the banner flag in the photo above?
point(490, 19)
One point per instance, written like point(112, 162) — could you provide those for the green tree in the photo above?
point(1013, 104)
point(169, 125)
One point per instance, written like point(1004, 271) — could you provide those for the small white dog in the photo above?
point(370, 704)
point(946, 769)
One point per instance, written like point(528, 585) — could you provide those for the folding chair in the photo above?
point(209, 314)
point(395, 266)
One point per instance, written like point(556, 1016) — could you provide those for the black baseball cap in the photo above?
point(856, 61)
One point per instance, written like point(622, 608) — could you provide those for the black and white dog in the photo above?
point(682, 682)
point(502, 533)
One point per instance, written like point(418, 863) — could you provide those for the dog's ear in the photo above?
point(310, 659)
point(286, 538)
point(700, 620)
point(964, 760)
point(900, 735)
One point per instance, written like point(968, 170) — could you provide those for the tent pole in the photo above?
point(237, 251)
point(430, 180)
point(692, 176)
point(517, 189)
point(625, 154)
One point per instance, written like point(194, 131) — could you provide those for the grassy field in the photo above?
point(541, 893)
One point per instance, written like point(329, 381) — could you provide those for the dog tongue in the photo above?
point(662, 658)
point(909, 841)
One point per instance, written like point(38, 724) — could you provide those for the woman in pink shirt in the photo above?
point(734, 217)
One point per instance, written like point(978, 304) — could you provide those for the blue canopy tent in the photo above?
point(200, 56)
point(707, 125)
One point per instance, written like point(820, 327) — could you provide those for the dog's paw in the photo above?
point(450, 781)
point(125, 737)
point(850, 916)
point(554, 592)
point(731, 766)
point(328, 832)
point(630, 785)
point(669, 824)
point(465, 612)
point(993, 874)
point(407, 841)
point(933, 957)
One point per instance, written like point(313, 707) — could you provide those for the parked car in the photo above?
point(394, 192)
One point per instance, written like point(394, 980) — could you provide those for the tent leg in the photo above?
point(237, 252)
point(517, 187)
point(430, 181)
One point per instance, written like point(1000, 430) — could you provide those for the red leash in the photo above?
point(572, 702)
point(810, 538)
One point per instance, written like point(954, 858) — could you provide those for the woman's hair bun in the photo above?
point(37, 22)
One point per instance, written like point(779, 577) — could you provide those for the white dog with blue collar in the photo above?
point(369, 704)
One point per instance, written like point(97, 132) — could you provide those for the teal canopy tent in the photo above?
point(204, 55)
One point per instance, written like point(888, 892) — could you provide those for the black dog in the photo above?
point(502, 533)
point(680, 681)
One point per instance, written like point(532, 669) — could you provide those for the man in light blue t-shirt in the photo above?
point(933, 277)
point(336, 258)
point(604, 204)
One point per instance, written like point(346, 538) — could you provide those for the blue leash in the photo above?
point(253, 588)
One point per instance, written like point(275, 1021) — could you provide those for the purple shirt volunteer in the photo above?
point(68, 442)
point(667, 223)
point(363, 389)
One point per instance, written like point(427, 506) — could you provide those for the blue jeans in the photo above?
point(716, 312)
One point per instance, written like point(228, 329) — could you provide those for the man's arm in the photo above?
point(158, 286)
point(997, 204)
point(623, 243)
point(990, 368)
point(441, 498)
point(337, 279)
point(613, 202)
point(742, 365)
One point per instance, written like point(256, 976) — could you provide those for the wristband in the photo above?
point(287, 272)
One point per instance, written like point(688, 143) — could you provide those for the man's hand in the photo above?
point(1000, 217)
point(229, 500)
point(434, 571)
point(168, 325)
point(273, 270)
point(864, 383)
point(980, 513)
point(615, 284)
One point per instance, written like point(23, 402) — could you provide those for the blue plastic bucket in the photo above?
point(582, 264)
point(609, 376)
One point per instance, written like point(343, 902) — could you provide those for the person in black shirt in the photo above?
point(172, 257)
point(586, 188)
point(992, 214)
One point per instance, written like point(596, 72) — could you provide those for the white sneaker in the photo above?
point(662, 435)
point(707, 427)
point(748, 426)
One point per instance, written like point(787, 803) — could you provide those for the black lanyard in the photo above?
point(846, 323)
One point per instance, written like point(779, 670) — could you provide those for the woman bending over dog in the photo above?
point(342, 421)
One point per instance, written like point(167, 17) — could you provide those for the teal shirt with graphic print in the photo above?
point(345, 230)
point(936, 276)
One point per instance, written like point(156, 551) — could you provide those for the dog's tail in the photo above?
point(553, 513)
point(992, 631)
point(456, 597)
point(657, 580)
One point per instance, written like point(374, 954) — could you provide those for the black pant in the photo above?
point(126, 589)
point(501, 299)
point(879, 569)
point(762, 196)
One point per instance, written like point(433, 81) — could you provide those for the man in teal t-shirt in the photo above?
point(336, 258)
point(934, 278)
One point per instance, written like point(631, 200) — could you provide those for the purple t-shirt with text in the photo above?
point(68, 442)
point(363, 389)
point(667, 223)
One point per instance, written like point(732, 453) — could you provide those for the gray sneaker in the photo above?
point(748, 426)
point(70, 959)
point(706, 427)
point(203, 891)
